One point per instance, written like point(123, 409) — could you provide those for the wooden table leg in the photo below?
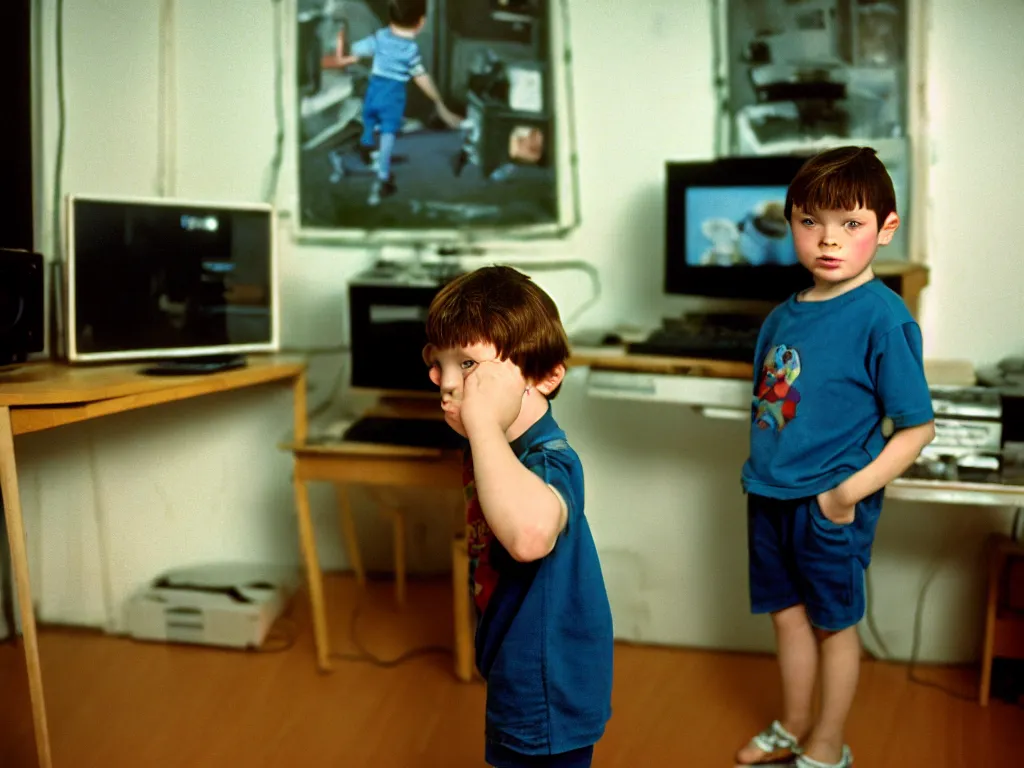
point(314, 578)
point(398, 518)
point(19, 564)
point(348, 531)
point(461, 609)
point(301, 417)
point(995, 566)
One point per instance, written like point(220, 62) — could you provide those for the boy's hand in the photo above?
point(492, 395)
point(450, 118)
point(835, 508)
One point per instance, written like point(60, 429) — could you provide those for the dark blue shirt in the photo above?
point(544, 639)
point(826, 375)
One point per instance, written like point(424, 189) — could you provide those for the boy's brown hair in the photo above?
point(840, 180)
point(503, 307)
point(406, 13)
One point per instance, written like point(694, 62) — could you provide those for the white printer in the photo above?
point(228, 604)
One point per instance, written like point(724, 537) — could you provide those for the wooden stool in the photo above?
point(1004, 633)
point(463, 611)
point(377, 466)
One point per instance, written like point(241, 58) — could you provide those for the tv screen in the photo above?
point(168, 278)
point(726, 234)
point(737, 226)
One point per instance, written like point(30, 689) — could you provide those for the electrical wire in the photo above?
point(577, 265)
point(270, 194)
point(915, 645)
point(332, 394)
point(285, 632)
point(364, 655)
point(570, 114)
point(58, 167)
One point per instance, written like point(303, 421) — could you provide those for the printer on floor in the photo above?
point(231, 605)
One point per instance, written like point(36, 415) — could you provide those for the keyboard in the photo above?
point(730, 338)
point(415, 433)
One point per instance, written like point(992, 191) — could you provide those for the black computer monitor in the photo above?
point(726, 235)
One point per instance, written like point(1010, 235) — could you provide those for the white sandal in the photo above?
point(775, 739)
point(844, 762)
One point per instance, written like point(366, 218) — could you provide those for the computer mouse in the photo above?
point(611, 340)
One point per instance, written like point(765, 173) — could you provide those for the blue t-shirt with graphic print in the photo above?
point(544, 637)
point(826, 376)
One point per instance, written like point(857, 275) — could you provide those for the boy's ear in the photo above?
point(888, 228)
point(551, 382)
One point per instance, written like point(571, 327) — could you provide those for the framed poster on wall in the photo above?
point(805, 73)
point(432, 119)
point(799, 76)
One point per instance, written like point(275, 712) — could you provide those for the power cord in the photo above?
point(58, 166)
point(285, 633)
point(270, 194)
point(332, 394)
point(570, 113)
point(363, 655)
point(915, 646)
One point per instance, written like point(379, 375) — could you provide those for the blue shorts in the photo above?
point(800, 557)
point(500, 756)
point(383, 106)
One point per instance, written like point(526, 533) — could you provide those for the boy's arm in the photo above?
point(895, 459)
point(427, 86)
point(905, 397)
point(361, 49)
point(524, 513)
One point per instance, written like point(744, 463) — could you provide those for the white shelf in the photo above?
point(730, 399)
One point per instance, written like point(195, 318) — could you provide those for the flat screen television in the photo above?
point(168, 279)
point(726, 235)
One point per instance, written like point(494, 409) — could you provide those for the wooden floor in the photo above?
point(117, 702)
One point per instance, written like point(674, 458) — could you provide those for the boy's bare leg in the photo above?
point(840, 669)
point(798, 663)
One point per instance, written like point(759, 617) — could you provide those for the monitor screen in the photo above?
point(167, 278)
point(726, 230)
point(737, 226)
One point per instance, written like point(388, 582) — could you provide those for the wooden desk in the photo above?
point(40, 396)
point(377, 466)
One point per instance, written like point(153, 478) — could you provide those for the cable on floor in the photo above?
point(285, 633)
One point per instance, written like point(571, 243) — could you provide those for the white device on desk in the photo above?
point(716, 397)
point(231, 605)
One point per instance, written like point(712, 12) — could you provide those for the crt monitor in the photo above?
point(169, 279)
point(726, 232)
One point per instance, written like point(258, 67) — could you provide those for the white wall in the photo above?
point(204, 480)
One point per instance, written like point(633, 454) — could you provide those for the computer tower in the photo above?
point(21, 305)
point(387, 316)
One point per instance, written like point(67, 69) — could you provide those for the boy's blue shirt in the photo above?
point(544, 639)
point(826, 374)
point(394, 57)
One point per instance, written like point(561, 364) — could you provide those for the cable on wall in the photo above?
point(570, 114)
point(58, 168)
point(915, 644)
point(167, 123)
point(270, 193)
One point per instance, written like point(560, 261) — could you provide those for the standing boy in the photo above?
point(838, 368)
point(396, 59)
point(497, 350)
